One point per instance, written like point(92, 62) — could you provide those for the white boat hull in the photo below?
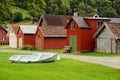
point(34, 58)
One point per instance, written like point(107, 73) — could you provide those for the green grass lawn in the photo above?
point(54, 51)
point(65, 69)
point(97, 54)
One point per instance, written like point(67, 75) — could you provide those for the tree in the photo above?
point(4, 10)
point(85, 9)
point(116, 5)
point(17, 17)
point(74, 6)
point(109, 12)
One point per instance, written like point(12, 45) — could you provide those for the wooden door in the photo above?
point(113, 46)
point(20, 42)
point(39, 43)
point(73, 43)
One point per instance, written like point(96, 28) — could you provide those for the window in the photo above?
point(3, 32)
point(3, 38)
point(72, 25)
point(99, 23)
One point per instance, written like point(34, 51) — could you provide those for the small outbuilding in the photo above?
point(80, 31)
point(12, 34)
point(51, 33)
point(26, 35)
point(3, 36)
point(108, 38)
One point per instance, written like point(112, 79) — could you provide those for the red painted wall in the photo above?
point(41, 35)
point(76, 32)
point(6, 41)
point(85, 39)
point(49, 43)
point(27, 39)
point(54, 43)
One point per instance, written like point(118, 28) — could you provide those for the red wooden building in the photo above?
point(26, 35)
point(80, 31)
point(51, 33)
point(3, 36)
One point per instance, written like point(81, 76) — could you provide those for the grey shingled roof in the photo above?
point(81, 22)
point(28, 29)
point(113, 27)
point(115, 20)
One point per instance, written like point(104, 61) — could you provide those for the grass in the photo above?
point(65, 69)
point(54, 51)
point(98, 54)
point(4, 46)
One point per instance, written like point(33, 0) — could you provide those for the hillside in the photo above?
point(27, 18)
point(31, 10)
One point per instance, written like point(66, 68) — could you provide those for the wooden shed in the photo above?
point(26, 35)
point(51, 33)
point(3, 36)
point(80, 31)
point(12, 34)
point(108, 38)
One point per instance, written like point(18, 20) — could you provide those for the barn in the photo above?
point(108, 38)
point(26, 35)
point(12, 34)
point(51, 33)
point(80, 31)
point(3, 36)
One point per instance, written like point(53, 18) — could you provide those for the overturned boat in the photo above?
point(36, 57)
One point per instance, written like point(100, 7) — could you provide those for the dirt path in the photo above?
point(113, 62)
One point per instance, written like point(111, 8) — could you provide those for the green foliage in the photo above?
point(28, 47)
point(36, 8)
point(17, 17)
point(85, 9)
point(65, 69)
point(5, 13)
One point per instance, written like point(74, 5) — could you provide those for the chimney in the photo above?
point(75, 14)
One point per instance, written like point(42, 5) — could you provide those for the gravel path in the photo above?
point(113, 62)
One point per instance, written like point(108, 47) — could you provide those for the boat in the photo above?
point(36, 57)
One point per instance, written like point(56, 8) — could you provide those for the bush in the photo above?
point(28, 47)
point(17, 17)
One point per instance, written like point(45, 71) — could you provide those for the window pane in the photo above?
point(72, 25)
point(3, 38)
point(100, 22)
point(3, 32)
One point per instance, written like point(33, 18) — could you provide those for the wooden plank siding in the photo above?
point(118, 46)
point(106, 42)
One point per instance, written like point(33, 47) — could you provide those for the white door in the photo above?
point(20, 42)
point(13, 42)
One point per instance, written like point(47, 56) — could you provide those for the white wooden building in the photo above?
point(12, 33)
